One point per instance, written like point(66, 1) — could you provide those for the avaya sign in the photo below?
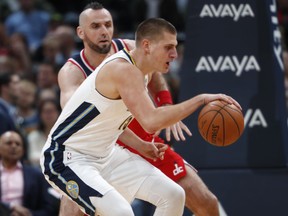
point(227, 10)
point(228, 63)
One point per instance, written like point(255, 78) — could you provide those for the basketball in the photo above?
point(220, 123)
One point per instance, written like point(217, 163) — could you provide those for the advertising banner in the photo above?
point(234, 47)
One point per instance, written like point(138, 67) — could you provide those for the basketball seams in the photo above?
point(233, 118)
point(208, 129)
point(223, 128)
point(228, 106)
point(206, 113)
point(230, 116)
point(234, 109)
point(209, 110)
point(212, 121)
point(223, 121)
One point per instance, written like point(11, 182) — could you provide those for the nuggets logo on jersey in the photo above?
point(73, 189)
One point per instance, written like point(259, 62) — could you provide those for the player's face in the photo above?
point(98, 30)
point(163, 52)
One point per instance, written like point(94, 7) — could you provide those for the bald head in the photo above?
point(86, 15)
point(93, 6)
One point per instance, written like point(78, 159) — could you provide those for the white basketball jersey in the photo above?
point(91, 123)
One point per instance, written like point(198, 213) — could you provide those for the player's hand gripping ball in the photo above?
point(220, 123)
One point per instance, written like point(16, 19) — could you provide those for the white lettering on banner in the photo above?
point(228, 63)
point(254, 118)
point(226, 10)
point(276, 35)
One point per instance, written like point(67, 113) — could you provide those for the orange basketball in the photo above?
point(220, 123)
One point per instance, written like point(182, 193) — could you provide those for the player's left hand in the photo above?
point(177, 131)
point(161, 150)
point(153, 150)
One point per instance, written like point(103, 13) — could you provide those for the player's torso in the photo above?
point(90, 122)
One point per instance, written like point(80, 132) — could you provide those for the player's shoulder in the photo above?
point(70, 71)
point(69, 68)
point(118, 64)
point(129, 43)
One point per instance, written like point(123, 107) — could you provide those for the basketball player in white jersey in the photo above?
point(96, 30)
point(81, 160)
point(80, 156)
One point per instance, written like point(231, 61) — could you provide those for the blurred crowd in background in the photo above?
point(38, 36)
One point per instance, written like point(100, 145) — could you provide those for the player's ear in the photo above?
point(80, 32)
point(146, 46)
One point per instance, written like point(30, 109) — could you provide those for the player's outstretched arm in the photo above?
point(112, 82)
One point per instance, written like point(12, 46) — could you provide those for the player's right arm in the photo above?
point(69, 79)
point(112, 82)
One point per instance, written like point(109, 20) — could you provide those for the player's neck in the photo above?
point(140, 62)
point(94, 58)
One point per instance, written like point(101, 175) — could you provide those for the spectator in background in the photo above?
point(24, 191)
point(66, 36)
point(46, 77)
point(7, 60)
point(45, 94)
point(7, 64)
point(48, 50)
point(26, 113)
point(9, 83)
point(30, 22)
point(49, 111)
point(19, 52)
point(4, 40)
point(7, 122)
point(8, 96)
point(56, 47)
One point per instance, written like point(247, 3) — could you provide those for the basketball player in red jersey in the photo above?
point(96, 30)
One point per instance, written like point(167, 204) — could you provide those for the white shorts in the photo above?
point(83, 176)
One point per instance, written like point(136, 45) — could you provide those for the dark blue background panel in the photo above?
point(233, 47)
point(249, 192)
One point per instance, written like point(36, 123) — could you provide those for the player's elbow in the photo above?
point(150, 126)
